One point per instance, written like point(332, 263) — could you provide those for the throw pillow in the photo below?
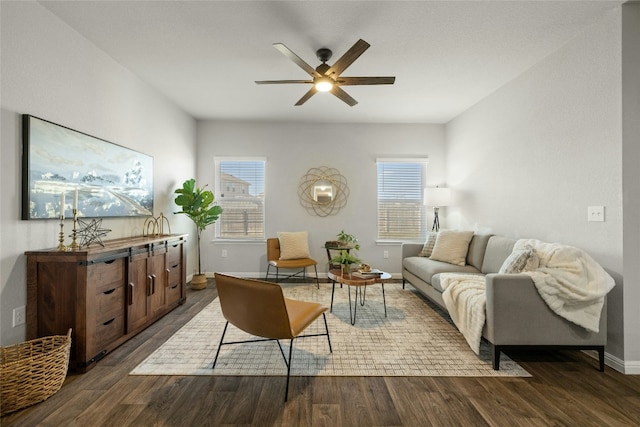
point(429, 244)
point(519, 261)
point(293, 245)
point(452, 246)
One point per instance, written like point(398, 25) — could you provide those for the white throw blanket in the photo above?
point(571, 283)
point(465, 299)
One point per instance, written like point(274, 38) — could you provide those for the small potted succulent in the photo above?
point(198, 204)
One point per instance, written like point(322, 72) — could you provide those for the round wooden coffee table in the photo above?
point(360, 285)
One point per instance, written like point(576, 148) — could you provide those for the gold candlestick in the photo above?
point(74, 234)
point(61, 246)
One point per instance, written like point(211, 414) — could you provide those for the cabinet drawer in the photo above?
point(110, 303)
point(174, 255)
point(103, 274)
point(109, 331)
point(173, 293)
point(175, 274)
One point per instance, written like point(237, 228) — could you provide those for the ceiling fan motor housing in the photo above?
point(324, 54)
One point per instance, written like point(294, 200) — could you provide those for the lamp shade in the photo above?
point(437, 197)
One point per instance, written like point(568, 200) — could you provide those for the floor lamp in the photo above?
point(437, 197)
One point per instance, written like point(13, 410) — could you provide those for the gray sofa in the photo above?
point(516, 315)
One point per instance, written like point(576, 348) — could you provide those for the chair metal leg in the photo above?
point(300, 273)
point(220, 345)
point(327, 329)
point(284, 357)
point(286, 392)
point(286, 361)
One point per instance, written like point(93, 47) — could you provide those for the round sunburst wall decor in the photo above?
point(323, 191)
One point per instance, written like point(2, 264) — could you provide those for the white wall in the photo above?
point(528, 160)
point(291, 150)
point(50, 71)
point(631, 180)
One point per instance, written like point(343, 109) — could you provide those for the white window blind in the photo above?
point(239, 184)
point(401, 214)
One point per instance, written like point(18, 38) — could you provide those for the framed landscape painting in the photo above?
point(63, 169)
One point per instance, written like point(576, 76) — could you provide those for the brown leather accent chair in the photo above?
point(273, 259)
point(260, 309)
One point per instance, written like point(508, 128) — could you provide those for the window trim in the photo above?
point(217, 184)
point(423, 161)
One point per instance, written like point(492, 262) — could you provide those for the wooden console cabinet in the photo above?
point(105, 294)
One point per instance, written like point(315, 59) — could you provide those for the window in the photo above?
point(401, 214)
point(240, 193)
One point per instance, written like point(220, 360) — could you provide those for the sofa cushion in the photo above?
point(478, 245)
point(427, 248)
point(425, 268)
point(498, 249)
point(452, 246)
point(519, 261)
point(293, 245)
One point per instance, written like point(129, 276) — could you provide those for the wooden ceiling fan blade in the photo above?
point(344, 96)
point(352, 81)
point(280, 82)
point(307, 95)
point(347, 59)
point(295, 58)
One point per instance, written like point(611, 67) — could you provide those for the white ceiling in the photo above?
point(446, 55)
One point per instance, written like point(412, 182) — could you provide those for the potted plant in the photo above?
point(349, 240)
point(345, 259)
point(198, 204)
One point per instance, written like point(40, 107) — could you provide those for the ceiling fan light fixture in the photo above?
point(324, 84)
point(328, 78)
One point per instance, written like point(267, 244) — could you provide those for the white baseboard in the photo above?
point(631, 367)
point(613, 362)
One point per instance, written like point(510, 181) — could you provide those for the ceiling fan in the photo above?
point(327, 78)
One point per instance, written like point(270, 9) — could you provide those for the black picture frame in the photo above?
point(106, 179)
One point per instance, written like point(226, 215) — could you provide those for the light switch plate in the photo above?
point(595, 213)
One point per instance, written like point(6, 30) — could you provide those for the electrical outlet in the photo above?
point(19, 316)
point(224, 253)
point(385, 254)
point(595, 213)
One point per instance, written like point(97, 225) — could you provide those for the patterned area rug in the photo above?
point(415, 339)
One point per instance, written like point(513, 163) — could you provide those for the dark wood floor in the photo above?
point(566, 389)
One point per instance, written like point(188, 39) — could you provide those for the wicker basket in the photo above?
point(32, 371)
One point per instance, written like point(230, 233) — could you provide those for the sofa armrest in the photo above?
point(517, 315)
point(411, 249)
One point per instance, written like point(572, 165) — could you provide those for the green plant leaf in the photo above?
point(197, 204)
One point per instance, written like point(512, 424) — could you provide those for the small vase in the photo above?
point(346, 270)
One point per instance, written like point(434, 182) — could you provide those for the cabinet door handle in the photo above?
point(153, 283)
point(131, 285)
point(149, 284)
